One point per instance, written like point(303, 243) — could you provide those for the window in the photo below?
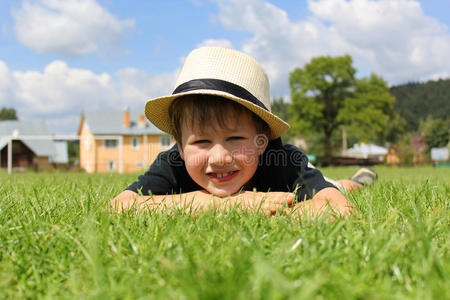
point(165, 141)
point(111, 165)
point(135, 142)
point(110, 143)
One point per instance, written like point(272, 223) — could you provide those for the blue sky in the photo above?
point(60, 57)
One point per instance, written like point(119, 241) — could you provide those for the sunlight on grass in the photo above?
point(58, 241)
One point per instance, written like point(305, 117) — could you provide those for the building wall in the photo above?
point(42, 163)
point(102, 159)
point(104, 156)
point(87, 150)
point(155, 148)
point(134, 159)
point(22, 156)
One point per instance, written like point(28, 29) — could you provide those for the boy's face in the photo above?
point(222, 160)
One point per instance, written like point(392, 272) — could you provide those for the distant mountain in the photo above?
point(415, 101)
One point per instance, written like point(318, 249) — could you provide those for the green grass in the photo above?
point(58, 241)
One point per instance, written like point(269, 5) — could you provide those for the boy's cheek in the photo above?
point(250, 160)
point(248, 154)
point(191, 159)
point(248, 157)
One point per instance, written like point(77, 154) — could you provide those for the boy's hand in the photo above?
point(269, 203)
point(329, 202)
point(126, 200)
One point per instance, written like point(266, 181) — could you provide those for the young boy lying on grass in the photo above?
point(228, 148)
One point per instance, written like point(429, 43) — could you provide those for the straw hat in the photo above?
point(222, 72)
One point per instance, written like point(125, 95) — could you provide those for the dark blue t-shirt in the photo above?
point(282, 168)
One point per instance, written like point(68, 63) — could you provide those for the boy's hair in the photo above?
point(201, 111)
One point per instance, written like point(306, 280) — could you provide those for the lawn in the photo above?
point(58, 241)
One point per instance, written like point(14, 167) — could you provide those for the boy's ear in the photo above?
point(180, 149)
point(261, 142)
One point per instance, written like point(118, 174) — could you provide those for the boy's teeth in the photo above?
point(220, 175)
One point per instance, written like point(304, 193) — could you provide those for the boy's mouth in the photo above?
point(221, 177)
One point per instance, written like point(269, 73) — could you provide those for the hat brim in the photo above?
point(157, 111)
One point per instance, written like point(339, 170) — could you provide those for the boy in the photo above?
point(228, 149)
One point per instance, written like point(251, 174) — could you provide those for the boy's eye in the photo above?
point(201, 142)
point(236, 138)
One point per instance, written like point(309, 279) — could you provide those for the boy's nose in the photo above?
point(220, 156)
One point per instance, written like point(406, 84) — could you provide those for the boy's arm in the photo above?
point(268, 203)
point(327, 200)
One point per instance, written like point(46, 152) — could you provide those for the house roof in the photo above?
point(366, 150)
point(39, 147)
point(48, 148)
point(111, 122)
point(3, 141)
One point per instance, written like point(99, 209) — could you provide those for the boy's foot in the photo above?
point(364, 176)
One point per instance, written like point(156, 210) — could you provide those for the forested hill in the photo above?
point(415, 101)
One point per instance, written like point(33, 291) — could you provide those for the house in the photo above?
point(440, 157)
point(119, 141)
point(439, 154)
point(417, 147)
point(366, 151)
point(36, 150)
point(392, 157)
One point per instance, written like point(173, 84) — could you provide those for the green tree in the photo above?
point(281, 109)
point(416, 101)
point(395, 129)
point(326, 95)
point(8, 114)
point(367, 112)
point(436, 132)
point(73, 151)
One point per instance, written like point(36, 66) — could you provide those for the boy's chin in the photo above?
point(222, 192)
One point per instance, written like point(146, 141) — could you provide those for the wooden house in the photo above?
point(31, 153)
point(119, 141)
point(392, 157)
point(417, 147)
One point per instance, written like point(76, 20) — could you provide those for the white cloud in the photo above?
point(6, 85)
point(137, 86)
point(403, 43)
point(392, 38)
point(211, 43)
point(68, 27)
point(59, 93)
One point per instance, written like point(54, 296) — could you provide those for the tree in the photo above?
point(73, 149)
point(395, 129)
point(281, 109)
point(418, 100)
point(368, 111)
point(436, 132)
point(8, 114)
point(326, 95)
